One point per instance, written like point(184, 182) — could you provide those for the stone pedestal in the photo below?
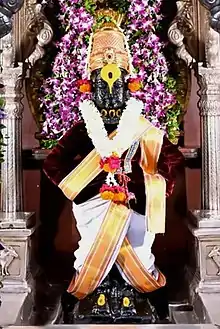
point(15, 278)
point(15, 282)
point(207, 234)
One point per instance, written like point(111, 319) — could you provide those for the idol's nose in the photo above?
point(111, 101)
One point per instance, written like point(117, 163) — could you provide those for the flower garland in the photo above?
point(124, 133)
point(111, 149)
point(63, 91)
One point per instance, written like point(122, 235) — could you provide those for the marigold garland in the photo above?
point(117, 194)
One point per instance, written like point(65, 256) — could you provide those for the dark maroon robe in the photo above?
point(75, 146)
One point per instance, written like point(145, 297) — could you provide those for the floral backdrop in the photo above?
point(60, 94)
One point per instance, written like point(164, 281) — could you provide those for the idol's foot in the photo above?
point(95, 307)
point(126, 311)
point(101, 303)
point(115, 296)
point(134, 309)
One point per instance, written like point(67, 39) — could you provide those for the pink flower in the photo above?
point(110, 164)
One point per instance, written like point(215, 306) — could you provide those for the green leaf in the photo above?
point(48, 143)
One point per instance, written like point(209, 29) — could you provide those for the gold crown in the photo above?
point(108, 42)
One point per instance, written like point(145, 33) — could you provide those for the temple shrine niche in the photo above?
point(45, 44)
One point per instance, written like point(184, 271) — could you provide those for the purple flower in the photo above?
point(2, 114)
point(61, 95)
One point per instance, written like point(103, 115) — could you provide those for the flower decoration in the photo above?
point(134, 84)
point(84, 86)
point(116, 194)
point(111, 164)
point(63, 92)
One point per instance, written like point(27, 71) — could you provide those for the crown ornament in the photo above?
point(111, 19)
point(109, 49)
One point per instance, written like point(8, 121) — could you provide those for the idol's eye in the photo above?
point(101, 84)
point(118, 84)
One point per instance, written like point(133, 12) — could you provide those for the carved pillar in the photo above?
point(209, 79)
point(11, 170)
point(209, 105)
point(207, 229)
point(11, 186)
point(14, 234)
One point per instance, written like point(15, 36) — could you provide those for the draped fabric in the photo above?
point(107, 239)
point(131, 246)
point(75, 146)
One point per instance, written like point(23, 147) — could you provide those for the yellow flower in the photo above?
point(107, 195)
point(107, 168)
point(119, 197)
point(85, 88)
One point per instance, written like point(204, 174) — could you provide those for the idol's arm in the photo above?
point(60, 160)
point(170, 162)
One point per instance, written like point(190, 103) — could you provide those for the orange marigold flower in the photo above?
point(84, 86)
point(106, 167)
point(120, 197)
point(107, 195)
point(134, 85)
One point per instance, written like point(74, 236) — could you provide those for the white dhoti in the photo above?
point(89, 218)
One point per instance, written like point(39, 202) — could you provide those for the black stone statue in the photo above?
point(110, 105)
point(114, 301)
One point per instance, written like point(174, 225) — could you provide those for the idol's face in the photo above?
point(105, 101)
